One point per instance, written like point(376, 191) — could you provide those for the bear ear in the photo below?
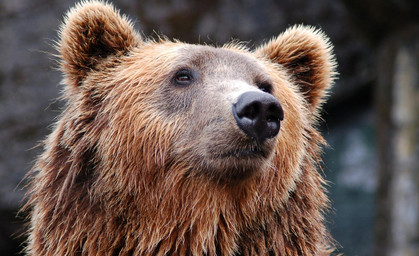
point(306, 54)
point(91, 32)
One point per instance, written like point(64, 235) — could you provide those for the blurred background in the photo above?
point(370, 122)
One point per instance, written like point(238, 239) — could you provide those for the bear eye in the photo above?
point(183, 77)
point(265, 87)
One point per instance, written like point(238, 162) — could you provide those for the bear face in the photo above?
point(211, 141)
point(173, 149)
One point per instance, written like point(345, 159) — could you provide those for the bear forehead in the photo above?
point(229, 61)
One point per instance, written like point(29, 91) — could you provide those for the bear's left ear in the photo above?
point(91, 32)
point(307, 56)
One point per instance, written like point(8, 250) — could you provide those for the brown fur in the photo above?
point(126, 172)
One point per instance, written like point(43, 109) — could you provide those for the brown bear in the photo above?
point(168, 148)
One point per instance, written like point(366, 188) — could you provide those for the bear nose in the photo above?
point(258, 114)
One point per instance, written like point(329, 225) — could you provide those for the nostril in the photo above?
point(271, 119)
point(251, 111)
point(274, 113)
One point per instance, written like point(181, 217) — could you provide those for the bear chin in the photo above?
point(237, 170)
point(239, 162)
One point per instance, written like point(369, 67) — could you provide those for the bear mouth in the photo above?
point(236, 162)
point(245, 153)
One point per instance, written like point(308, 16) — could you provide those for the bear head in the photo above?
point(157, 104)
point(170, 138)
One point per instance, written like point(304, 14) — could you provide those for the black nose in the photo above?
point(258, 114)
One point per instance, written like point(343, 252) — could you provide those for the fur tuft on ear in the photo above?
point(307, 55)
point(91, 32)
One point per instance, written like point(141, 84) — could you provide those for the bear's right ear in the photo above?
point(307, 55)
point(91, 32)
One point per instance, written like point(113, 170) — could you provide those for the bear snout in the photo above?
point(258, 115)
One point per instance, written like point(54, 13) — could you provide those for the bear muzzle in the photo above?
point(258, 115)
